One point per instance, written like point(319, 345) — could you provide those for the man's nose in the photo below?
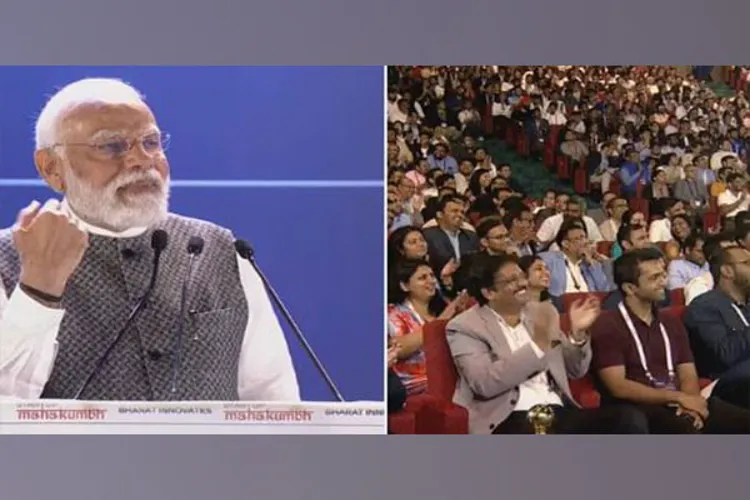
point(137, 157)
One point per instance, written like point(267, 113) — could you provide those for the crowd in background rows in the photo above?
point(661, 149)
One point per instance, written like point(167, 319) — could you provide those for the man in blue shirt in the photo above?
point(683, 271)
point(442, 160)
point(633, 173)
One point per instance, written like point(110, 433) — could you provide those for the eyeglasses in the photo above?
point(513, 280)
point(116, 148)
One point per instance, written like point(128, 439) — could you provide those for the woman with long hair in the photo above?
point(409, 243)
point(413, 302)
point(538, 277)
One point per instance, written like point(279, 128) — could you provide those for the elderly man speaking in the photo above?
point(106, 295)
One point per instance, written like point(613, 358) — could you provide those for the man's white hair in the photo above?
point(76, 94)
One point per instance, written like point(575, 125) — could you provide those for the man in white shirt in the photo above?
point(399, 113)
point(705, 282)
point(735, 199)
point(574, 210)
point(73, 272)
point(616, 208)
point(661, 229)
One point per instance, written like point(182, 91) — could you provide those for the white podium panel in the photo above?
point(112, 417)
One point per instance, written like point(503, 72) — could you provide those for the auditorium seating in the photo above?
point(677, 297)
point(583, 389)
point(426, 414)
point(435, 413)
point(605, 247)
point(441, 383)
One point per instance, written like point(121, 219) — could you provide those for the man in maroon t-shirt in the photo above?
point(643, 358)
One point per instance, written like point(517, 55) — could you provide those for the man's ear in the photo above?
point(49, 165)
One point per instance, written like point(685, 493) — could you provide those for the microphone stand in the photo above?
point(248, 254)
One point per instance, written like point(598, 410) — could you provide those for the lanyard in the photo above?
point(741, 315)
point(639, 346)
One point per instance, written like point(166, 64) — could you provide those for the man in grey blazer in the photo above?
point(511, 356)
point(691, 190)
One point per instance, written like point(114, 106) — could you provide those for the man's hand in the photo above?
point(696, 404)
point(50, 247)
point(698, 422)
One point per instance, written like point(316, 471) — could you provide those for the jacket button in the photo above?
point(154, 355)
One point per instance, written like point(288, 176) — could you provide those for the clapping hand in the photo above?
point(582, 315)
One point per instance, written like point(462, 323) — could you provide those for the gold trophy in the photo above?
point(541, 418)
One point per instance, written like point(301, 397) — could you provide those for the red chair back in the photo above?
point(677, 299)
point(474, 218)
point(522, 142)
point(640, 205)
point(581, 180)
point(549, 156)
point(615, 185)
point(563, 167)
point(583, 389)
point(710, 221)
point(605, 247)
point(569, 298)
point(441, 372)
point(510, 135)
point(554, 135)
point(674, 311)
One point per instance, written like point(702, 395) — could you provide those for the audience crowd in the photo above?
point(646, 297)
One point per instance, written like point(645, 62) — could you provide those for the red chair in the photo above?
point(549, 156)
point(740, 83)
point(488, 124)
point(522, 144)
point(569, 298)
point(581, 180)
point(563, 167)
point(583, 389)
point(640, 205)
point(403, 422)
point(417, 407)
point(710, 221)
point(554, 135)
point(713, 204)
point(474, 218)
point(677, 299)
point(441, 384)
point(674, 311)
point(510, 135)
point(615, 185)
point(605, 247)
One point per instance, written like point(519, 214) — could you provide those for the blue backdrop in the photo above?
point(289, 158)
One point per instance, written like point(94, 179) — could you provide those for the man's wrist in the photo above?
point(579, 339)
point(46, 283)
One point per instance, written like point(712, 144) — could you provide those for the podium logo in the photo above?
point(268, 415)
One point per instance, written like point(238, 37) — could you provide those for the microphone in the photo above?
point(246, 252)
point(194, 248)
point(159, 240)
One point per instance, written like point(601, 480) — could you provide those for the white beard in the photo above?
point(103, 207)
